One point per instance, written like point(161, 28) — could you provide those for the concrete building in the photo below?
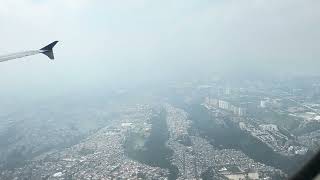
point(263, 104)
point(223, 105)
point(235, 173)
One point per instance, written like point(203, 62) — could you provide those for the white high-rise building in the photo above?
point(263, 104)
point(223, 105)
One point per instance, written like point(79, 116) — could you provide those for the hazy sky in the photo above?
point(102, 42)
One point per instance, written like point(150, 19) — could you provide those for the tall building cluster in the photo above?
point(225, 105)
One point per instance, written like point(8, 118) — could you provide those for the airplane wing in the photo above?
point(47, 50)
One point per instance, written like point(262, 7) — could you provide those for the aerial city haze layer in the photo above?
point(213, 129)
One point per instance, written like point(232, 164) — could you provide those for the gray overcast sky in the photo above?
point(136, 40)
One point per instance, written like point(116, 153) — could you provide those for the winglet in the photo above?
point(48, 50)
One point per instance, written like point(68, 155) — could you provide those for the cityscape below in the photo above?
point(218, 128)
